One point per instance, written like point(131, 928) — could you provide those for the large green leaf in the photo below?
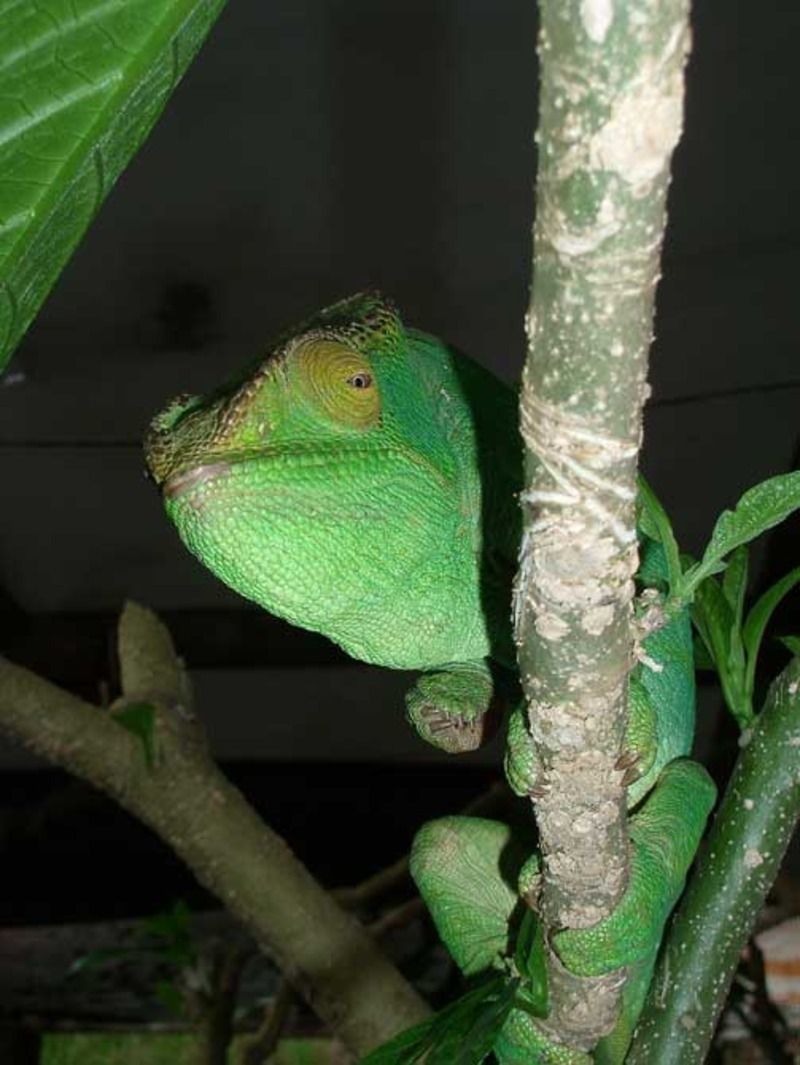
point(463, 1033)
point(405, 1049)
point(734, 582)
point(758, 619)
point(652, 519)
point(720, 632)
point(81, 84)
point(759, 509)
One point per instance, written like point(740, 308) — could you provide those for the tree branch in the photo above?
point(258, 1048)
point(610, 115)
point(213, 1007)
point(736, 869)
point(323, 951)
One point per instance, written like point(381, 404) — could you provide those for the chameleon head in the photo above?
point(278, 483)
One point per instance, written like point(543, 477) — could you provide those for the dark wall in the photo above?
point(319, 146)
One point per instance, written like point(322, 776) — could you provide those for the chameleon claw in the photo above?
point(454, 733)
point(627, 760)
point(629, 776)
point(538, 791)
point(531, 900)
point(439, 724)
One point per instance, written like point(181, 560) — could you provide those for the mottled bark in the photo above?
point(610, 116)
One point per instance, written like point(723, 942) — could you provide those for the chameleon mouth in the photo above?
point(181, 483)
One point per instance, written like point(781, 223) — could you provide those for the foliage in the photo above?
point(81, 85)
point(731, 639)
point(167, 936)
point(166, 1049)
point(140, 720)
point(462, 1033)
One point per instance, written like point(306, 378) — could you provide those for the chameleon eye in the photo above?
point(338, 380)
point(360, 380)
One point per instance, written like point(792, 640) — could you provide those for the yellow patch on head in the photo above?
point(340, 380)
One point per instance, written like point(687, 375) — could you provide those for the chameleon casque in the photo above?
point(361, 481)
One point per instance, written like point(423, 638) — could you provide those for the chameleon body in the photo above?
point(360, 481)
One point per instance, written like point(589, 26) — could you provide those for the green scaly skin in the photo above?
point(361, 512)
point(360, 481)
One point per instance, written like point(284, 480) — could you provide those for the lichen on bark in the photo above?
point(610, 116)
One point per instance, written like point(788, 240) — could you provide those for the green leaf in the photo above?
point(140, 720)
point(81, 84)
point(468, 1034)
point(702, 659)
point(652, 519)
point(759, 509)
point(791, 643)
point(533, 995)
point(758, 619)
point(172, 931)
point(523, 944)
point(405, 1049)
point(734, 582)
point(170, 924)
point(713, 617)
point(714, 620)
point(168, 995)
point(463, 1033)
point(734, 587)
point(96, 959)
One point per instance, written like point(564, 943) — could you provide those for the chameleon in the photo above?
point(361, 480)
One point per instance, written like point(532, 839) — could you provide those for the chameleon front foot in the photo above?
point(524, 773)
point(453, 708)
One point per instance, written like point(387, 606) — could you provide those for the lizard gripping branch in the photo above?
point(610, 116)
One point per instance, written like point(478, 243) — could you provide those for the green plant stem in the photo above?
point(324, 952)
point(738, 864)
point(610, 116)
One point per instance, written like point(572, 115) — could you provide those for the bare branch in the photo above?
point(323, 951)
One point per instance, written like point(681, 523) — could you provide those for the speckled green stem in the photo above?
point(738, 864)
point(610, 115)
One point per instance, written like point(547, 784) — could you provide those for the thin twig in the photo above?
point(214, 1007)
point(256, 1049)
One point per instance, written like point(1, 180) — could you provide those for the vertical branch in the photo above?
point(610, 116)
point(736, 869)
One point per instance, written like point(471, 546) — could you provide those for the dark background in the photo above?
point(313, 149)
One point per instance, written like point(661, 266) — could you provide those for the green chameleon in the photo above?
point(361, 481)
